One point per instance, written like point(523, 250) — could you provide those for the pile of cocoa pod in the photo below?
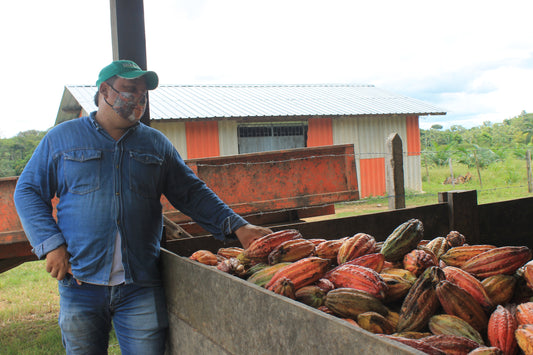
point(440, 296)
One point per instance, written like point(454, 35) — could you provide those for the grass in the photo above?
point(29, 303)
point(29, 307)
point(501, 181)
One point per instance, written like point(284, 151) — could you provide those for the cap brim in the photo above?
point(151, 77)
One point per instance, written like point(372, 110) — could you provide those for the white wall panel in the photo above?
point(344, 131)
point(412, 172)
point(175, 132)
point(227, 137)
point(369, 136)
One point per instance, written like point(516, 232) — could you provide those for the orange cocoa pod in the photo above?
point(328, 249)
point(418, 260)
point(486, 350)
point(524, 337)
point(417, 344)
point(393, 318)
point(451, 344)
point(260, 248)
point(375, 323)
point(316, 241)
point(302, 272)
point(457, 256)
point(502, 260)
point(397, 287)
point(359, 244)
point(229, 252)
point(470, 284)
point(524, 313)
point(374, 261)
point(412, 335)
point(359, 278)
point(291, 250)
point(501, 329)
point(527, 274)
point(406, 274)
point(351, 321)
point(325, 284)
point(500, 288)
point(326, 310)
point(438, 246)
point(455, 301)
point(205, 257)
point(284, 287)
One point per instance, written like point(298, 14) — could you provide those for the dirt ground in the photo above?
point(345, 209)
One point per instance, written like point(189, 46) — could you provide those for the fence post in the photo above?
point(463, 213)
point(394, 172)
point(478, 171)
point(451, 171)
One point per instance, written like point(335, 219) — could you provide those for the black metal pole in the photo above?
point(128, 36)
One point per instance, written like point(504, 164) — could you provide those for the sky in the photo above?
point(473, 59)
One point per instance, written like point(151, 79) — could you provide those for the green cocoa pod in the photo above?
point(402, 240)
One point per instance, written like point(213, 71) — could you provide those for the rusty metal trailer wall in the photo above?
point(507, 223)
point(258, 184)
point(264, 187)
point(211, 312)
point(214, 312)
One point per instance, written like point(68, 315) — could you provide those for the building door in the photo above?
point(265, 137)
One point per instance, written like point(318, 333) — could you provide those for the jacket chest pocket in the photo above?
point(81, 169)
point(144, 173)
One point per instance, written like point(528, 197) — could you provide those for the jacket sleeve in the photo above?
point(33, 195)
point(190, 195)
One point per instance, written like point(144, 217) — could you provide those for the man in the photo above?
point(109, 172)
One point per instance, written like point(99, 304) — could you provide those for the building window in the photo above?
point(271, 136)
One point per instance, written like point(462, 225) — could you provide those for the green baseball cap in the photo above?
point(129, 70)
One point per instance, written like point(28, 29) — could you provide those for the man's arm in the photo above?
point(36, 187)
point(249, 232)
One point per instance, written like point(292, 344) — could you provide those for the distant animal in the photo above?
point(458, 180)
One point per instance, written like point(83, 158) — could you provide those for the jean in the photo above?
point(138, 313)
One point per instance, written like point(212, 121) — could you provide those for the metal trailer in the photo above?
point(212, 312)
point(216, 313)
point(265, 188)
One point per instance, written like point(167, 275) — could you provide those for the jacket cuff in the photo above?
point(231, 224)
point(48, 245)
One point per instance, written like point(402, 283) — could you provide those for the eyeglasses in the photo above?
point(142, 99)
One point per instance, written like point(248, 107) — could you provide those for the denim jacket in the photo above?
point(106, 186)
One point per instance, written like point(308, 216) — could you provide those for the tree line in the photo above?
point(478, 146)
point(16, 151)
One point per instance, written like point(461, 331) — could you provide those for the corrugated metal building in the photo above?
point(213, 120)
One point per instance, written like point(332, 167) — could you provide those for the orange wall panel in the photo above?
point(319, 132)
point(372, 177)
point(413, 135)
point(202, 139)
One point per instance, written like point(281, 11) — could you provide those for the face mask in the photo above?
point(127, 106)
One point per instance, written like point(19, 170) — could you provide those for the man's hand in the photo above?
point(57, 262)
point(249, 232)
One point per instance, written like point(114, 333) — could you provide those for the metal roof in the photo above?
point(254, 101)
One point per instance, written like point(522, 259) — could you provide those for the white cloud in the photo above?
point(472, 58)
